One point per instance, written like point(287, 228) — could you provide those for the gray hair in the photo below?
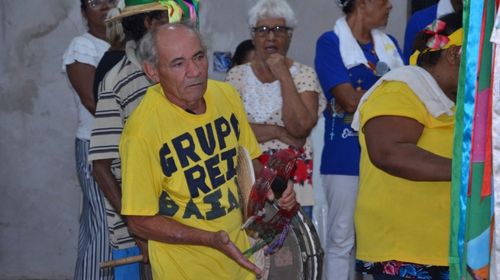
point(147, 52)
point(265, 9)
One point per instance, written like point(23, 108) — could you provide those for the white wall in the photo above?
point(38, 186)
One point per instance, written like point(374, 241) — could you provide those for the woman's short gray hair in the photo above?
point(265, 9)
point(147, 52)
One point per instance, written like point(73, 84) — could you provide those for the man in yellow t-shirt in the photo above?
point(179, 154)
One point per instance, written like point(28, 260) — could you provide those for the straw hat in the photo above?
point(134, 7)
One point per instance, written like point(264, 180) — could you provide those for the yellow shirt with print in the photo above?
point(183, 166)
point(399, 219)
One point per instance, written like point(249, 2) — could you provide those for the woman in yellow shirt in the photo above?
point(406, 127)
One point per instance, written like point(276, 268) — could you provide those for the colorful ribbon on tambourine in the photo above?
point(179, 10)
point(275, 176)
point(438, 41)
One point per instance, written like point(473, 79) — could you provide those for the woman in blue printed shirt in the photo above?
point(349, 60)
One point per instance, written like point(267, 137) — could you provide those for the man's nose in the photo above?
point(193, 69)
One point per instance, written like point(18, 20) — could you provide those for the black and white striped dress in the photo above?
point(93, 238)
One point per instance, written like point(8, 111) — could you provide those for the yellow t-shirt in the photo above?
point(399, 219)
point(183, 166)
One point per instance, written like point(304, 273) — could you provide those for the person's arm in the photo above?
point(299, 111)
point(112, 191)
point(391, 142)
point(268, 132)
point(81, 77)
point(333, 75)
point(107, 182)
point(346, 97)
point(164, 229)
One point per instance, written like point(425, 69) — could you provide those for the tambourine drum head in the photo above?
point(301, 256)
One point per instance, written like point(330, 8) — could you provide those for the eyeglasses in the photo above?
point(98, 3)
point(280, 31)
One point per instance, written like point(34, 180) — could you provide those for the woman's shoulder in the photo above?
point(238, 69)
point(302, 67)
point(84, 40)
point(86, 44)
point(238, 75)
point(302, 70)
point(329, 37)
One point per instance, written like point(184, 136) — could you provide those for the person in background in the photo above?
point(120, 91)
point(281, 96)
point(79, 61)
point(406, 123)
point(244, 53)
point(424, 17)
point(349, 60)
point(116, 38)
point(179, 152)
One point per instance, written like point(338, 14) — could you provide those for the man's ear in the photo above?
point(147, 22)
point(151, 71)
point(453, 54)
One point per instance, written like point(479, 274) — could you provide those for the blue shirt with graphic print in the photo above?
point(341, 149)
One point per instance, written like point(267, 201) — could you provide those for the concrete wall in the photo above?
point(40, 195)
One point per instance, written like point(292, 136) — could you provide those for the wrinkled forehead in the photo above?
point(173, 43)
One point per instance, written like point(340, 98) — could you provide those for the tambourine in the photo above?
point(262, 224)
point(300, 255)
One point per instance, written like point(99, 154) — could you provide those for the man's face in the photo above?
point(183, 66)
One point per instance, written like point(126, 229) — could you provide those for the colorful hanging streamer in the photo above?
point(472, 218)
point(182, 11)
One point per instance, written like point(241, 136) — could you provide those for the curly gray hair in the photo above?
point(264, 9)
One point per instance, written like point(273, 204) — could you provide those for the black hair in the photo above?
point(348, 7)
point(241, 52)
point(83, 5)
point(133, 26)
point(453, 22)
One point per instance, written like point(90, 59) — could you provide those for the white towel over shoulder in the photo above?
point(352, 54)
point(422, 84)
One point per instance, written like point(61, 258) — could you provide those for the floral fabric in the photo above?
point(263, 103)
point(404, 270)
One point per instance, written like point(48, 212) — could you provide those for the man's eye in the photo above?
point(199, 57)
point(178, 64)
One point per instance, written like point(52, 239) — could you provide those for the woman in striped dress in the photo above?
point(79, 61)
